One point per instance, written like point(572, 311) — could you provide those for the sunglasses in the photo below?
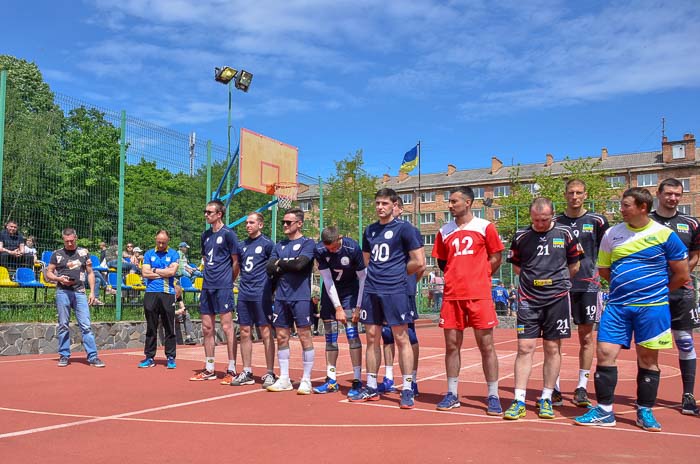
point(288, 223)
point(206, 211)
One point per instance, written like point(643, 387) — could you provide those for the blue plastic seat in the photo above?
point(187, 286)
point(25, 278)
point(46, 257)
point(112, 280)
point(96, 264)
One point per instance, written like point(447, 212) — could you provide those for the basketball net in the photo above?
point(286, 193)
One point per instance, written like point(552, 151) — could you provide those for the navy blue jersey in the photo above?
point(388, 246)
point(589, 229)
point(217, 248)
point(252, 258)
point(412, 279)
point(343, 265)
point(294, 286)
point(161, 260)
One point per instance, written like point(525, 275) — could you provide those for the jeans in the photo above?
point(65, 300)
point(437, 301)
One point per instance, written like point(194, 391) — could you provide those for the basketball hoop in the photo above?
point(286, 193)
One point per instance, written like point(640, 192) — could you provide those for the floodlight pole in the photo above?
point(228, 148)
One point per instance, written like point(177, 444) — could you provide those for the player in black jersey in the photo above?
point(589, 228)
point(684, 312)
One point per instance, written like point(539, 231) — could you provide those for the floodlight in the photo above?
point(243, 80)
point(224, 74)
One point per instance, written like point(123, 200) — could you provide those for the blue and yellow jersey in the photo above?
point(160, 260)
point(638, 262)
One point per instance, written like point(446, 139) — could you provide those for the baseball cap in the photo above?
point(183, 245)
point(137, 249)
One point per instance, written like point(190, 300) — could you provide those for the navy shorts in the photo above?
point(394, 309)
point(347, 301)
point(584, 307)
point(684, 314)
point(413, 309)
point(286, 312)
point(254, 312)
point(216, 301)
point(550, 322)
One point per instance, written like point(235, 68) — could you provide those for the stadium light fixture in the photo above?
point(224, 74)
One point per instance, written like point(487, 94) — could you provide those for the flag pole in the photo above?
point(418, 218)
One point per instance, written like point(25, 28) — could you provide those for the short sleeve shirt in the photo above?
point(72, 264)
point(466, 250)
point(589, 229)
point(161, 260)
point(688, 230)
point(253, 256)
point(11, 242)
point(343, 265)
point(295, 286)
point(412, 279)
point(217, 249)
point(388, 246)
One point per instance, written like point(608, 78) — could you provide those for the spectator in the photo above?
point(437, 286)
point(137, 257)
point(512, 301)
point(111, 257)
point(184, 267)
point(12, 248)
point(30, 249)
point(315, 313)
point(103, 254)
point(500, 297)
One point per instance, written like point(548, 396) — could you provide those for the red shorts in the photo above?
point(460, 314)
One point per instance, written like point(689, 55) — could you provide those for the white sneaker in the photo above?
point(280, 385)
point(304, 387)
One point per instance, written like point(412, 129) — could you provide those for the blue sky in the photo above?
point(469, 79)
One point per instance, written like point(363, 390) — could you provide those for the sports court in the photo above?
point(124, 414)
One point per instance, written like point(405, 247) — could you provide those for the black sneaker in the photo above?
point(190, 341)
point(557, 399)
point(244, 378)
point(63, 361)
point(581, 398)
point(689, 406)
point(96, 362)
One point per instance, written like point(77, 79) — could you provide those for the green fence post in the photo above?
point(273, 228)
point(120, 226)
point(3, 89)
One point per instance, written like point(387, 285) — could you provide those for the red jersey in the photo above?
point(466, 249)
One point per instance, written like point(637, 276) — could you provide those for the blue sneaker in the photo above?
point(365, 394)
point(493, 406)
point(414, 387)
point(545, 409)
point(355, 388)
point(515, 411)
point(387, 386)
point(331, 386)
point(597, 416)
point(646, 420)
point(407, 399)
point(148, 362)
point(171, 363)
point(450, 401)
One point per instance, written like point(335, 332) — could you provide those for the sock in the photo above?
point(407, 381)
point(232, 365)
point(452, 384)
point(308, 361)
point(583, 375)
point(330, 372)
point(415, 376)
point(372, 381)
point(493, 388)
point(605, 380)
point(389, 374)
point(357, 372)
point(546, 394)
point(606, 407)
point(209, 364)
point(688, 374)
point(248, 370)
point(283, 358)
point(556, 385)
point(520, 394)
point(647, 387)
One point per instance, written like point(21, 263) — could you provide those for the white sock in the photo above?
point(556, 385)
point(606, 407)
point(389, 374)
point(357, 372)
point(330, 372)
point(546, 394)
point(407, 381)
point(520, 394)
point(452, 385)
point(209, 364)
point(583, 375)
point(493, 388)
point(283, 358)
point(248, 370)
point(372, 381)
point(232, 365)
point(308, 361)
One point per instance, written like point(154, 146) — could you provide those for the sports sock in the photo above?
point(308, 362)
point(452, 385)
point(583, 375)
point(330, 372)
point(232, 365)
point(688, 374)
point(415, 376)
point(606, 407)
point(520, 394)
point(546, 394)
point(248, 370)
point(209, 364)
point(605, 380)
point(372, 381)
point(283, 359)
point(556, 385)
point(389, 374)
point(407, 381)
point(357, 372)
point(493, 388)
point(647, 387)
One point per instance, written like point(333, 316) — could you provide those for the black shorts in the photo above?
point(584, 307)
point(550, 321)
point(685, 315)
point(348, 301)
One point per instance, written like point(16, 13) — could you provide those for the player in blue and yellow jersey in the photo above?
point(254, 305)
point(159, 269)
point(342, 267)
point(685, 315)
point(391, 250)
point(290, 265)
point(635, 258)
point(220, 260)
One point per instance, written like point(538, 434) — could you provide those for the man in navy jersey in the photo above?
point(220, 258)
point(589, 228)
point(159, 268)
point(255, 300)
point(391, 250)
point(342, 267)
point(387, 384)
point(291, 264)
point(545, 256)
point(685, 315)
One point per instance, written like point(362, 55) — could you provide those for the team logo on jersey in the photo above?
point(328, 258)
point(82, 252)
point(344, 260)
point(683, 228)
point(587, 228)
point(244, 249)
point(558, 242)
point(296, 246)
point(388, 234)
point(167, 259)
point(219, 240)
point(521, 329)
point(153, 258)
point(543, 239)
point(258, 250)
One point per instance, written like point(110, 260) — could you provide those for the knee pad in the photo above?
point(412, 335)
point(353, 336)
point(387, 335)
point(684, 341)
point(331, 329)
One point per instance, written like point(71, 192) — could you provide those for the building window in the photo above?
point(478, 192)
point(686, 185)
point(478, 213)
point(427, 218)
point(612, 206)
point(427, 197)
point(447, 217)
point(684, 209)
point(615, 181)
point(446, 195)
point(496, 213)
point(407, 198)
point(501, 191)
point(647, 180)
point(407, 218)
point(678, 151)
point(532, 188)
point(305, 205)
point(430, 261)
point(428, 239)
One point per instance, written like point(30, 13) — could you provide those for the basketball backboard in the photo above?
point(265, 162)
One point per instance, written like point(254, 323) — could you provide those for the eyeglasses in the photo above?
point(289, 223)
point(206, 211)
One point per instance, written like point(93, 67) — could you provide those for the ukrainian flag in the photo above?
point(410, 160)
